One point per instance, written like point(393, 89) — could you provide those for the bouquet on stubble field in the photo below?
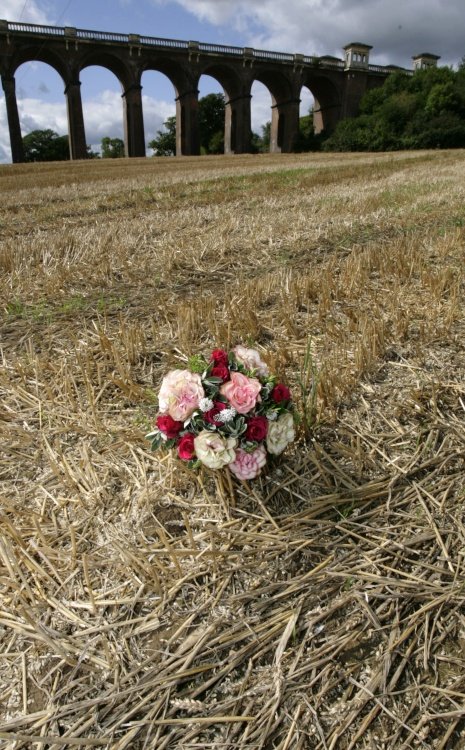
point(225, 411)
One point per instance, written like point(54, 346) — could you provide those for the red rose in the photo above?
point(218, 406)
point(186, 449)
point(280, 393)
point(257, 427)
point(219, 357)
point(169, 426)
point(220, 371)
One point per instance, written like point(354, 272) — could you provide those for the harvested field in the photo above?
point(318, 608)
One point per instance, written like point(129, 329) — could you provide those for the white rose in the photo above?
point(213, 450)
point(280, 434)
point(251, 360)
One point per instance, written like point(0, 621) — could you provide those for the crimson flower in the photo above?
point(186, 450)
point(219, 357)
point(280, 393)
point(257, 427)
point(220, 371)
point(218, 406)
point(169, 426)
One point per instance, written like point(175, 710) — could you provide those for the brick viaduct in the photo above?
point(337, 85)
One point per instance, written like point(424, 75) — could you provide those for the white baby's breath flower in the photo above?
point(226, 415)
point(205, 404)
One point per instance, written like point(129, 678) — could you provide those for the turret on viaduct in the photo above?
point(337, 85)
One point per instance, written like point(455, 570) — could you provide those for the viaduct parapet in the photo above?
point(337, 85)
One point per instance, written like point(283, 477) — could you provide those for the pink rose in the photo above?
point(180, 393)
point(248, 465)
point(242, 392)
point(251, 360)
point(186, 449)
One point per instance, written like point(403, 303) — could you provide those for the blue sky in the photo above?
point(397, 29)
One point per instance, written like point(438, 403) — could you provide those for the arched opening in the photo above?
point(211, 115)
point(261, 117)
point(326, 102)
point(102, 105)
point(284, 128)
point(158, 101)
point(307, 140)
point(42, 110)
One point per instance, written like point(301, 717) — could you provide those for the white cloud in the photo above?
point(26, 12)
point(103, 116)
point(397, 29)
point(37, 115)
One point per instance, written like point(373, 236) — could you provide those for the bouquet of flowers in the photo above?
point(227, 411)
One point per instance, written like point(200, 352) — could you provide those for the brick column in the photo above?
point(284, 126)
point(238, 128)
point(134, 137)
point(76, 130)
point(187, 124)
point(16, 141)
point(355, 86)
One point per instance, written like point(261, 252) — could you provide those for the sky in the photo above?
point(397, 29)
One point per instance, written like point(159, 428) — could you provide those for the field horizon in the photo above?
point(319, 607)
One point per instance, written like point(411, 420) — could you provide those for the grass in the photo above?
point(319, 607)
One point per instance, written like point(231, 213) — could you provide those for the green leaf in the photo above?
point(197, 363)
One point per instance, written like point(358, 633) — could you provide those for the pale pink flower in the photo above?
point(242, 392)
point(248, 465)
point(251, 360)
point(180, 393)
point(214, 450)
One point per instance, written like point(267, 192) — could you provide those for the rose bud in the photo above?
point(186, 449)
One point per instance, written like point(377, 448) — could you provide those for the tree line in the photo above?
point(423, 110)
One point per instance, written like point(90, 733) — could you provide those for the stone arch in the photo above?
point(236, 88)
point(133, 122)
point(306, 130)
point(284, 109)
point(38, 53)
point(185, 96)
point(102, 104)
point(56, 61)
point(158, 101)
point(113, 63)
point(327, 101)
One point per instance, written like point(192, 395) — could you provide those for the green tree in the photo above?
point(211, 129)
point(92, 154)
point(211, 124)
point(165, 142)
point(308, 140)
point(45, 145)
point(112, 148)
point(265, 138)
point(424, 110)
